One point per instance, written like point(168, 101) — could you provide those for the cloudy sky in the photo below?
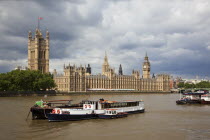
point(174, 33)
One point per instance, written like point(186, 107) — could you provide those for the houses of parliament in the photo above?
point(80, 79)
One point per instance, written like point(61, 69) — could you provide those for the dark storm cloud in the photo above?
point(175, 34)
point(128, 46)
point(4, 69)
point(14, 53)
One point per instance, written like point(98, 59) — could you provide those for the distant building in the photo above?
point(21, 68)
point(77, 79)
point(38, 51)
point(194, 81)
point(175, 81)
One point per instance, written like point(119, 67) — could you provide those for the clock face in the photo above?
point(145, 66)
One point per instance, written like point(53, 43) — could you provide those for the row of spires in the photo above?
point(88, 68)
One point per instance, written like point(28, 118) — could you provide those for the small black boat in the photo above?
point(188, 101)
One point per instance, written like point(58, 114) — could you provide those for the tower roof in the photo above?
point(120, 70)
point(106, 59)
point(38, 32)
point(146, 57)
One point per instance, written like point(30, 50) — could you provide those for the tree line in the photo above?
point(203, 84)
point(26, 80)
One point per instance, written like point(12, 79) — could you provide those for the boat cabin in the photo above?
point(115, 104)
point(194, 95)
point(90, 105)
point(205, 97)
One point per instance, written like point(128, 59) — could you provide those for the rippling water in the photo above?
point(163, 120)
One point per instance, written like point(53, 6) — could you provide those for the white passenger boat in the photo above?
point(92, 109)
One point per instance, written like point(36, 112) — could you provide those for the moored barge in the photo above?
point(42, 108)
point(198, 97)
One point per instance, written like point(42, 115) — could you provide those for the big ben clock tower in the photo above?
point(146, 67)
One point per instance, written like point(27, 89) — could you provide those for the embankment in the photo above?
point(57, 93)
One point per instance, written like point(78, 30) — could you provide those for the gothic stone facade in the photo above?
point(79, 79)
point(38, 51)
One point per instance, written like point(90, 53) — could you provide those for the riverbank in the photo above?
point(57, 93)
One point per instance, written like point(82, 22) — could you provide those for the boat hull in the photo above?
point(40, 113)
point(104, 116)
point(205, 102)
point(136, 111)
point(75, 117)
point(181, 102)
point(70, 117)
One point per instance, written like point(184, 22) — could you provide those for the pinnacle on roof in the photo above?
point(106, 59)
point(146, 57)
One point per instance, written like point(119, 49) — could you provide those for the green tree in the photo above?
point(189, 85)
point(181, 85)
point(203, 84)
point(4, 82)
point(27, 80)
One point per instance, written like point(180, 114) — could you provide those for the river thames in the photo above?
point(162, 120)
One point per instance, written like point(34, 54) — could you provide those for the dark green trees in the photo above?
point(25, 80)
point(203, 84)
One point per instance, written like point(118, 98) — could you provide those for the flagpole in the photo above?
point(38, 23)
